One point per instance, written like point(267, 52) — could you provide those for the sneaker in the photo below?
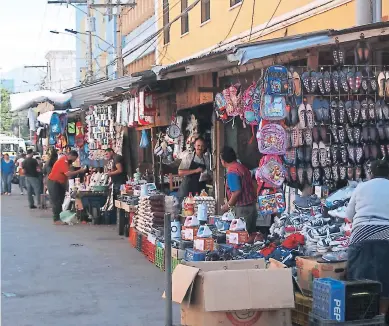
point(22, 193)
point(33, 207)
point(341, 247)
point(334, 257)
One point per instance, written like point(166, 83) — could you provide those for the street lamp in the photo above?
point(72, 31)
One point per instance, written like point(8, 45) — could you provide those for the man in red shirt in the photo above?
point(57, 182)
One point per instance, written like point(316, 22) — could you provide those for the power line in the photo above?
point(268, 22)
point(252, 20)
point(233, 24)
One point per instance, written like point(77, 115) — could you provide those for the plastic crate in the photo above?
point(150, 254)
point(175, 262)
point(303, 307)
point(139, 238)
point(144, 244)
point(133, 236)
point(160, 258)
point(193, 255)
point(345, 301)
point(318, 321)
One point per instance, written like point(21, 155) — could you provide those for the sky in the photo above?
point(24, 31)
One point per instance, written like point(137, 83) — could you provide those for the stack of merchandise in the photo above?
point(150, 214)
point(207, 200)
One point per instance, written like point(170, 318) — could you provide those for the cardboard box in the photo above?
point(189, 232)
point(233, 293)
point(309, 268)
point(118, 203)
point(203, 244)
point(237, 237)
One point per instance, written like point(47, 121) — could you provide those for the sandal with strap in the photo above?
point(327, 82)
point(316, 134)
point(373, 133)
point(350, 172)
point(327, 173)
point(300, 175)
point(335, 173)
point(335, 154)
point(320, 83)
point(357, 135)
point(342, 172)
point(358, 155)
point(342, 112)
point(349, 132)
point(295, 137)
point(314, 81)
point(358, 81)
point(351, 80)
point(302, 116)
point(322, 154)
point(351, 153)
point(326, 111)
point(309, 174)
point(371, 111)
point(308, 154)
point(373, 84)
point(334, 132)
point(343, 154)
point(317, 175)
point(308, 136)
point(366, 150)
point(315, 155)
point(335, 80)
point(365, 85)
point(378, 111)
point(364, 110)
point(343, 81)
point(310, 118)
point(358, 172)
point(365, 133)
point(349, 111)
point(306, 81)
point(341, 135)
point(334, 112)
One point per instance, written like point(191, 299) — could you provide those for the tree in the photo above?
point(5, 112)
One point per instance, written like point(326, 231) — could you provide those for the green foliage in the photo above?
point(5, 114)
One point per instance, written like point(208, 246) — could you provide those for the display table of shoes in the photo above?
point(150, 214)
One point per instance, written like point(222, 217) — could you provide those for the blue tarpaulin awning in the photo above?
point(267, 48)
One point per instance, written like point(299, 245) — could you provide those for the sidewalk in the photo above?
point(73, 275)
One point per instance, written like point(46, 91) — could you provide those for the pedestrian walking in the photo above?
point(22, 177)
point(57, 182)
point(48, 167)
point(31, 171)
point(7, 173)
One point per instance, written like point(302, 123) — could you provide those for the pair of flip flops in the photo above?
point(304, 174)
point(304, 154)
point(338, 134)
point(321, 109)
point(353, 111)
point(354, 172)
point(355, 154)
point(320, 133)
point(354, 80)
point(338, 112)
point(370, 133)
point(383, 84)
point(369, 82)
point(338, 154)
point(306, 116)
point(371, 151)
point(319, 155)
point(368, 110)
point(292, 117)
point(310, 80)
point(324, 82)
point(362, 52)
point(381, 110)
point(338, 55)
point(353, 134)
point(335, 173)
point(383, 130)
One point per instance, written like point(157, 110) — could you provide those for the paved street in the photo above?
point(73, 275)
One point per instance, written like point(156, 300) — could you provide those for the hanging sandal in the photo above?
point(316, 134)
point(324, 134)
point(351, 153)
point(293, 173)
point(385, 110)
point(327, 173)
point(383, 151)
point(315, 155)
point(327, 82)
point(349, 111)
point(371, 110)
point(351, 80)
point(334, 132)
point(296, 83)
point(300, 137)
point(364, 110)
point(300, 175)
point(350, 172)
point(335, 173)
point(295, 137)
point(358, 81)
point(308, 136)
point(343, 154)
point(320, 83)
point(334, 154)
point(357, 135)
point(342, 112)
point(335, 80)
point(373, 133)
point(343, 81)
point(322, 154)
point(381, 84)
point(307, 154)
point(301, 114)
point(326, 111)
point(365, 133)
point(378, 111)
point(314, 81)
point(310, 118)
point(358, 155)
point(381, 130)
point(334, 112)
point(387, 84)
point(358, 172)
point(365, 84)
point(316, 177)
point(342, 172)
point(342, 135)
point(306, 81)
point(349, 132)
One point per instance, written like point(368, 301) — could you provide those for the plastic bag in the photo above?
point(144, 141)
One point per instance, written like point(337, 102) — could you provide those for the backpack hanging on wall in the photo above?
point(271, 171)
point(273, 107)
point(272, 203)
point(79, 134)
point(71, 128)
point(220, 107)
point(272, 139)
point(276, 81)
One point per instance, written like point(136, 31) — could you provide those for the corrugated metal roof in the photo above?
point(94, 92)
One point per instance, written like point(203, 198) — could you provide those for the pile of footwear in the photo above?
point(150, 214)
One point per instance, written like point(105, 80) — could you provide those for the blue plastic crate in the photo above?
point(329, 299)
point(193, 255)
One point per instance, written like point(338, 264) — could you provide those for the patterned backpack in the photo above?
point(271, 171)
point(251, 105)
point(276, 81)
point(273, 107)
point(272, 139)
point(220, 107)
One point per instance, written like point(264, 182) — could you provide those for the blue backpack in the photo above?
point(276, 81)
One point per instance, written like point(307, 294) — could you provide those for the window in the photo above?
point(166, 31)
point(184, 18)
point(234, 2)
point(205, 10)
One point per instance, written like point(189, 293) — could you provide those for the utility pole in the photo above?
point(89, 73)
point(119, 50)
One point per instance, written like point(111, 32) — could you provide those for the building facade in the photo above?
point(137, 25)
point(61, 70)
point(105, 20)
point(199, 26)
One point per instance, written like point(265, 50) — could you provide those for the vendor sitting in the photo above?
point(195, 170)
point(114, 168)
point(240, 191)
point(368, 253)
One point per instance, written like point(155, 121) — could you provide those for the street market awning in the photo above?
point(46, 117)
point(300, 42)
point(24, 101)
point(90, 94)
